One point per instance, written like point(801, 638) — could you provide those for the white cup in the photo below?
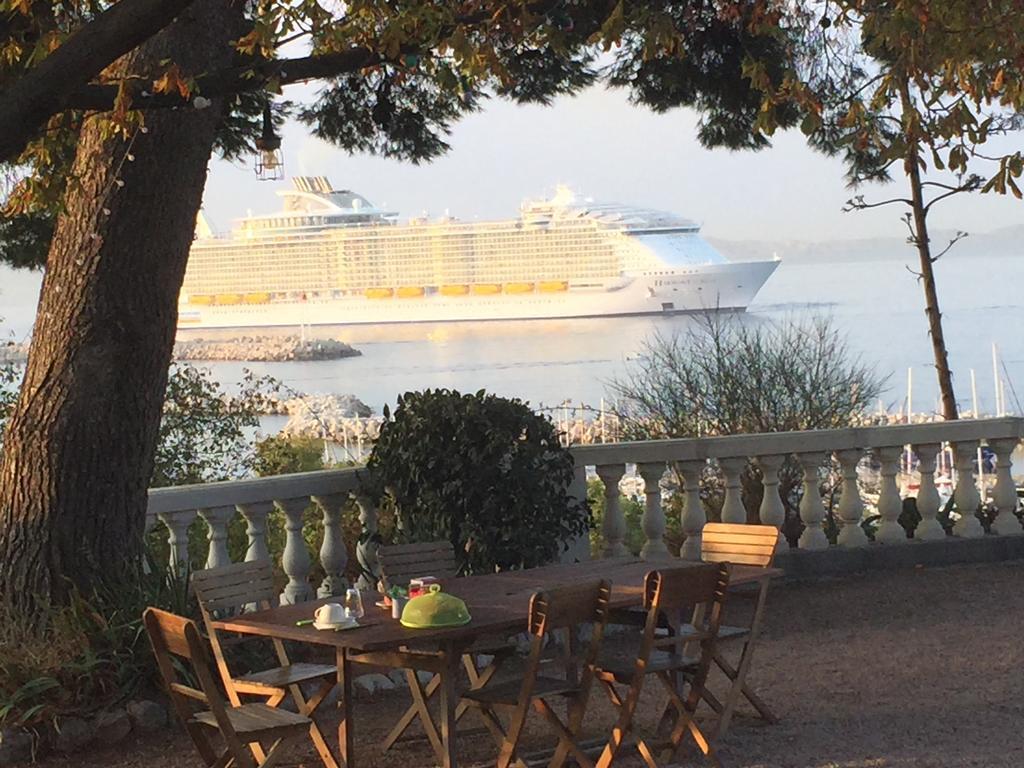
point(332, 613)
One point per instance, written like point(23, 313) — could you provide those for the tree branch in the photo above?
point(858, 204)
point(972, 183)
point(44, 90)
point(251, 77)
point(956, 239)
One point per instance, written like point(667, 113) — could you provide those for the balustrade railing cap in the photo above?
point(810, 441)
point(226, 493)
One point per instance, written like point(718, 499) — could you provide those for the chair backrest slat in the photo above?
point(233, 586)
point(567, 606)
point(399, 563)
point(740, 544)
point(172, 635)
point(672, 597)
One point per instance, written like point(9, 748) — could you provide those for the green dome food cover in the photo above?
point(435, 609)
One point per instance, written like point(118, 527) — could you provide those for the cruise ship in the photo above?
point(331, 257)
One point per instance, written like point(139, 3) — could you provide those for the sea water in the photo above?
point(879, 305)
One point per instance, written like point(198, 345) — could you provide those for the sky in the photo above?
point(609, 150)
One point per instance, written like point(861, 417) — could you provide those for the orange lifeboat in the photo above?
point(454, 290)
point(260, 297)
point(519, 287)
point(379, 293)
point(554, 286)
point(200, 299)
point(486, 289)
point(409, 292)
point(229, 298)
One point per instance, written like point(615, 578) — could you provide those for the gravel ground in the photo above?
point(903, 669)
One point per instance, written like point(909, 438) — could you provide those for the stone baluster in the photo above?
point(366, 549)
point(1005, 492)
point(255, 515)
point(295, 559)
point(850, 509)
point(965, 495)
point(654, 516)
point(812, 510)
point(217, 519)
point(733, 510)
point(333, 555)
point(613, 525)
point(929, 529)
point(889, 503)
point(772, 511)
point(177, 538)
point(694, 515)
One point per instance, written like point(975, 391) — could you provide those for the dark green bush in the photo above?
point(485, 472)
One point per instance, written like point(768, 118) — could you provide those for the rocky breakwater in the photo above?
point(263, 349)
point(338, 418)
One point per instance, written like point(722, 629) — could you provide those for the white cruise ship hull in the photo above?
point(728, 286)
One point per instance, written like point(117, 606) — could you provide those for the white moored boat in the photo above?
point(331, 257)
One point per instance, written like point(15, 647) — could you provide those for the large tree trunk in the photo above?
point(79, 447)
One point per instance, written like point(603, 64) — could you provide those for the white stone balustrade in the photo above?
point(654, 516)
point(694, 515)
point(366, 548)
point(217, 504)
point(811, 450)
point(613, 524)
point(333, 554)
point(772, 511)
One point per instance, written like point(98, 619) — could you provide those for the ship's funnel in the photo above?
point(312, 184)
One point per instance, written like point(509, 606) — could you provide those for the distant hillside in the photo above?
point(1007, 241)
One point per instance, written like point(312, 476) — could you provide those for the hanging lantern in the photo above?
point(269, 160)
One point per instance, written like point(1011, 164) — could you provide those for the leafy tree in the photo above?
point(205, 434)
point(921, 88)
point(281, 454)
point(143, 101)
point(727, 375)
point(484, 472)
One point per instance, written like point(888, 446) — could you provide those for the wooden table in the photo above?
point(497, 602)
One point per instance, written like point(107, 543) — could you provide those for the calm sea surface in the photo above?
point(877, 303)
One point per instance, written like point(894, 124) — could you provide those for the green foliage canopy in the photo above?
point(484, 472)
point(396, 75)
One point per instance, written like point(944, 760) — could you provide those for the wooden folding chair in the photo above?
point(252, 724)
point(229, 591)
point(399, 564)
point(741, 545)
point(563, 608)
point(669, 598)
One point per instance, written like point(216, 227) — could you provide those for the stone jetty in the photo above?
point(262, 349)
point(251, 349)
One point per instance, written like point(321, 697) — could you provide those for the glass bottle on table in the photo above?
point(353, 603)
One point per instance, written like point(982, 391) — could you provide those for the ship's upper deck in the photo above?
point(313, 205)
point(566, 205)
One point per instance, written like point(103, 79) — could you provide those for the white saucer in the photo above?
point(343, 624)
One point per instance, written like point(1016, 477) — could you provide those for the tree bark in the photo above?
point(927, 273)
point(79, 447)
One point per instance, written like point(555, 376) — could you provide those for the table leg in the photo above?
point(449, 699)
point(345, 726)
